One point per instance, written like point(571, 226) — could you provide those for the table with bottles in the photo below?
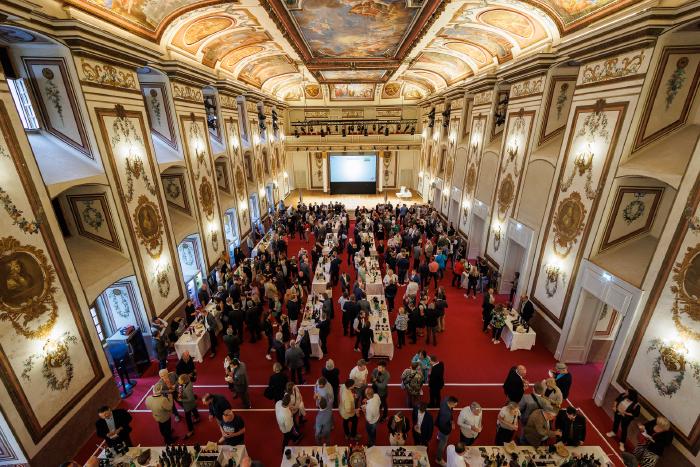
point(339, 456)
point(374, 284)
point(171, 456)
point(310, 317)
point(546, 456)
point(383, 345)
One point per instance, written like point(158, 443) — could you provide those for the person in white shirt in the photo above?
point(359, 375)
point(389, 276)
point(411, 289)
point(469, 422)
point(371, 409)
point(455, 455)
point(285, 420)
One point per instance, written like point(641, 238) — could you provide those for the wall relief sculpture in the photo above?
point(686, 294)
point(56, 365)
point(506, 194)
point(149, 226)
point(206, 197)
point(119, 303)
point(125, 137)
point(568, 223)
point(613, 68)
point(27, 289)
point(671, 363)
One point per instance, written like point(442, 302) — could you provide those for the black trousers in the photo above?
point(497, 333)
point(347, 319)
point(503, 436)
point(465, 440)
point(166, 430)
point(295, 374)
point(364, 347)
point(623, 424)
point(212, 338)
point(456, 279)
point(471, 287)
point(434, 397)
point(401, 338)
point(350, 426)
point(291, 435)
point(191, 416)
point(384, 406)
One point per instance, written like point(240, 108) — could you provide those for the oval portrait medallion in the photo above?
point(686, 288)
point(471, 177)
point(568, 223)
point(206, 197)
point(149, 226)
point(506, 193)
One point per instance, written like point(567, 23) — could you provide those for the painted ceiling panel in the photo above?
point(258, 71)
point(451, 68)
point(353, 75)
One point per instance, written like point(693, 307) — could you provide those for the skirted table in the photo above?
point(376, 456)
point(515, 340)
point(197, 344)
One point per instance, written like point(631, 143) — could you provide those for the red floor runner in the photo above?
point(474, 371)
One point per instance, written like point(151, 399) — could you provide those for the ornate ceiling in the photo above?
point(351, 50)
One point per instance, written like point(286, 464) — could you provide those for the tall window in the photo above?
point(98, 325)
point(18, 89)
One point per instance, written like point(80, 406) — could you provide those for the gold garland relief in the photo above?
point(108, 75)
point(149, 226)
point(686, 290)
point(568, 223)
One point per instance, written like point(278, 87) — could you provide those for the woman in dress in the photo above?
point(625, 409)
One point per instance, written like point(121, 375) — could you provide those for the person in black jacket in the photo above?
point(563, 378)
point(444, 424)
point(277, 383)
point(436, 381)
point(185, 366)
point(366, 337)
point(658, 436)
point(332, 375)
point(113, 426)
point(217, 404)
point(422, 425)
point(572, 426)
point(390, 292)
point(625, 409)
point(527, 309)
point(515, 384)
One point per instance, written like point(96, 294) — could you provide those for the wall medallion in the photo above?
point(686, 290)
point(172, 189)
point(149, 226)
point(26, 289)
point(55, 359)
point(568, 223)
point(671, 361)
point(634, 210)
point(471, 178)
point(92, 216)
point(206, 197)
point(506, 194)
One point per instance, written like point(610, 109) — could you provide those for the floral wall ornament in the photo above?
point(26, 225)
point(27, 290)
point(686, 292)
point(149, 226)
point(91, 216)
point(673, 358)
point(553, 274)
point(676, 81)
point(55, 358)
point(125, 137)
point(561, 99)
point(240, 182)
point(568, 223)
point(199, 148)
point(583, 165)
point(613, 68)
point(206, 197)
point(172, 189)
point(162, 280)
point(187, 254)
point(52, 92)
point(119, 302)
point(497, 235)
point(108, 75)
point(155, 104)
point(635, 209)
point(471, 178)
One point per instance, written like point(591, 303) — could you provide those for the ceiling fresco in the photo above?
point(289, 47)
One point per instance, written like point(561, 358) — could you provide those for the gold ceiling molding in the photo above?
point(187, 93)
point(103, 74)
point(613, 68)
point(228, 102)
point(484, 97)
point(526, 88)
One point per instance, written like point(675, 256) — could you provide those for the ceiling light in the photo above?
point(344, 132)
point(365, 131)
point(386, 131)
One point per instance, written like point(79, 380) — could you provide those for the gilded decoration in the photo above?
point(206, 197)
point(483, 97)
point(686, 291)
point(676, 81)
point(506, 194)
point(26, 225)
point(54, 357)
point(198, 146)
point(126, 136)
point(149, 226)
point(228, 101)
point(671, 356)
point(568, 223)
point(527, 88)
point(27, 291)
point(613, 68)
point(240, 182)
point(471, 178)
point(188, 93)
point(108, 75)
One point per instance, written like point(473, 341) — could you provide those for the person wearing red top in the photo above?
point(434, 267)
point(457, 271)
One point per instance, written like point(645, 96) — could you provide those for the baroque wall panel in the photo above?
point(633, 214)
point(559, 98)
point(591, 142)
point(175, 190)
point(93, 218)
point(155, 97)
point(48, 361)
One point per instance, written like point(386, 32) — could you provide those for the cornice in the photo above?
point(529, 67)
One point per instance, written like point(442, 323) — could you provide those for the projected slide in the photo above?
point(353, 173)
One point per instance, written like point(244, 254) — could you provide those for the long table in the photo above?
point(197, 344)
point(383, 345)
point(377, 456)
point(473, 454)
point(322, 276)
point(308, 323)
point(517, 340)
point(374, 284)
point(225, 452)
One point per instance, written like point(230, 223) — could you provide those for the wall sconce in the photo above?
point(243, 206)
point(553, 272)
point(583, 161)
point(693, 221)
point(55, 352)
point(214, 233)
point(497, 234)
point(162, 267)
point(512, 149)
point(286, 175)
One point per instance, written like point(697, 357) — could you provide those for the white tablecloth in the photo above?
point(380, 318)
point(237, 453)
point(197, 346)
point(377, 456)
point(473, 454)
point(517, 340)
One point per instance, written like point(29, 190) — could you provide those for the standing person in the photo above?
point(515, 383)
point(390, 292)
point(553, 393)
point(323, 390)
point(167, 385)
point(365, 337)
point(657, 437)
point(572, 426)
point(359, 376)
point(188, 400)
point(161, 407)
point(296, 403)
point(472, 281)
point(538, 428)
point(113, 426)
point(332, 375)
point(294, 360)
point(380, 383)
point(487, 309)
point(185, 366)
point(232, 429)
point(431, 323)
point(348, 412)
point(412, 382)
point(527, 309)
point(398, 429)
point(371, 410)
point(470, 423)
point(240, 382)
point(210, 325)
point(625, 409)
point(401, 325)
point(422, 425)
point(445, 425)
point(324, 422)
point(507, 423)
point(457, 271)
point(455, 455)
point(531, 402)
point(217, 404)
point(436, 381)
point(498, 320)
point(277, 384)
point(162, 349)
point(563, 378)
point(285, 421)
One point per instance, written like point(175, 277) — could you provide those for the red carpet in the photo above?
point(474, 371)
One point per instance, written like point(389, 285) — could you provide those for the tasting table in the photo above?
point(383, 347)
point(374, 284)
point(308, 323)
point(473, 454)
point(197, 344)
point(237, 453)
point(377, 456)
point(517, 340)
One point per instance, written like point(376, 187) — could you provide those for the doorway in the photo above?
point(270, 195)
point(192, 262)
point(476, 236)
point(453, 214)
point(514, 262)
point(231, 233)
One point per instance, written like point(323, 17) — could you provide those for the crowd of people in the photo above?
point(264, 298)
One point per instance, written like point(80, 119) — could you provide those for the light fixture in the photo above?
point(673, 355)
point(583, 161)
point(512, 149)
point(553, 272)
point(497, 235)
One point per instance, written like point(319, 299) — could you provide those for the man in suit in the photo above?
point(527, 309)
point(572, 426)
point(539, 428)
point(210, 326)
point(436, 381)
point(203, 295)
point(113, 426)
point(515, 384)
point(422, 425)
